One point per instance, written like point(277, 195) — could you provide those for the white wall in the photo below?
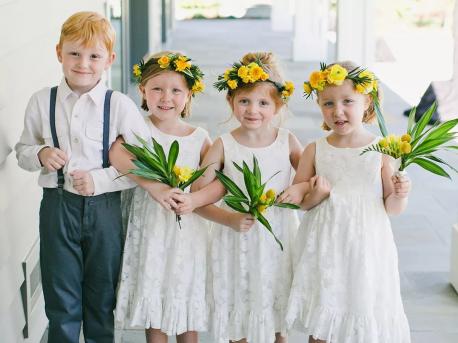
point(29, 31)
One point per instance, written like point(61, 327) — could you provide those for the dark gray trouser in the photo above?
point(80, 256)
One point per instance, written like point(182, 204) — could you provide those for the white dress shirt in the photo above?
point(79, 127)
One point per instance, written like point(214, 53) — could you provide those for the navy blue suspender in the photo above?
point(106, 130)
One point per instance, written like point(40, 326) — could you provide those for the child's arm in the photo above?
point(207, 190)
point(121, 159)
point(31, 151)
point(307, 185)
point(214, 190)
point(294, 193)
point(395, 189)
point(128, 121)
point(295, 151)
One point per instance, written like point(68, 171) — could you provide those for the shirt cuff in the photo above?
point(105, 181)
point(35, 160)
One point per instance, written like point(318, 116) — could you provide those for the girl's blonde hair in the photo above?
point(152, 70)
point(369, 115)
point(270, 66)
point(88, 27)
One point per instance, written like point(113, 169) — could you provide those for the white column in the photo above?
point(447, 91)
point(310, 28)
point(281, 16)
point(356, 31)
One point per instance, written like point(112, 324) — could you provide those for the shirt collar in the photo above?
point(96, 94)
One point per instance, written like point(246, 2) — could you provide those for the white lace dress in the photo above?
point(346, 281)
point(163, 276)
point(250, 276)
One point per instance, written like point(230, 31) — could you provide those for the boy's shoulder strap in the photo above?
point(106, 127)
point(55, 141)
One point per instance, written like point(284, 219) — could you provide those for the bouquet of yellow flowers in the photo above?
point(153, 164)
point(418, 145)
point(257, 201)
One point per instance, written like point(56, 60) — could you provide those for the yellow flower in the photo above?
point(176, 170)
point(181, 64)
point(336, 74)
point(164, 61)
point(185, 174)
point(405, 147)
point(253, 64)
point(263, 198)
point(285, 94)
point(264, 76)
point(289, 86)
point(232, 84)
point(317, 80)
point(198, 86)
point(137, 72)
point(261, 208)
point(271, 193)
point(256, 73)
point(383, 143)
point(369, 85)
point(406, 138)
point(307, 88)
point(243, 72)
point(226, 73)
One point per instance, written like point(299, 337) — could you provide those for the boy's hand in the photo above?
point(185, 203)
point(83, 182)
point(402, 186)
point(52, 158)
point(240, 222)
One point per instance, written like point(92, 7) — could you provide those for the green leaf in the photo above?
point(264, 222)
point(235, 198)
point(250, 186)
point(286, 205)
point(173, 155)
point(430, 166)
point(237, 167)
point(437, 159)
point(160, 153)
point(236, 206)
point(148, 175)
point(429, 145)
point(256, 171)
point(230, 185)
point(442, 129)
point(411, 121)
point(380, 119)
point(194, 177)
point(424, 120)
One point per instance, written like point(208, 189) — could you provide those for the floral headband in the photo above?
point(179, 63)
point(239, 73)
point(364, 80)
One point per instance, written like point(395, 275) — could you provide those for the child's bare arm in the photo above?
point(395, 188)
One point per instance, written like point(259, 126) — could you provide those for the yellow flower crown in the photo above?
point(239, 73)
point(365, 81)
point(179, 63)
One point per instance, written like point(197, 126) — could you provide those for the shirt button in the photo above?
point(76, 115)
point(75, 140)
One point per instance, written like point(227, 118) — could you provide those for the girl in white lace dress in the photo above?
point(163, 277)
point(346, 282)
point(250, 276)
